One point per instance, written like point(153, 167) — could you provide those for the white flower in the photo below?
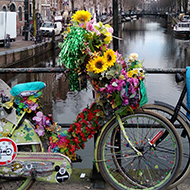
point(133, 57)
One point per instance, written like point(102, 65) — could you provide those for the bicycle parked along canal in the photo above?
point(130, 152)
point(178, 116)
point(131, 162)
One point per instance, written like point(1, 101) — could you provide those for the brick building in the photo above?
point(47, 8)
point(15, 6)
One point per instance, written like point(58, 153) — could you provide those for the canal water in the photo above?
point(149, 37)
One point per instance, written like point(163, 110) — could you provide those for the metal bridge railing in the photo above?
point(60, 70)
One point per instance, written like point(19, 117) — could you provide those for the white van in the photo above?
point(48, 27)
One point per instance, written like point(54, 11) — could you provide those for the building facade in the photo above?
point(15, 6)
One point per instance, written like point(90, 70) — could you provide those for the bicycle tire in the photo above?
point(123, 169)
point(184, 132)
point(18, 183)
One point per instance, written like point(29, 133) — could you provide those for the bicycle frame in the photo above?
point(177, 109)
point(23, 126)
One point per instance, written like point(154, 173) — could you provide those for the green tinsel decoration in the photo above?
point(72, 48)
point(71, 53)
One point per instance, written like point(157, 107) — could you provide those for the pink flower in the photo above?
point(110, 29)
point(89, 26)
point(40, 131)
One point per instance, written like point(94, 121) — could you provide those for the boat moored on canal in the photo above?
point(182, 30)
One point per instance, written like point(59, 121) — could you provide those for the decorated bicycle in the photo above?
point(130, 148)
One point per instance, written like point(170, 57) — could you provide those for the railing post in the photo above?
point(96, 177)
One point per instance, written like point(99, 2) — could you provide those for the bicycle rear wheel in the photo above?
point(184, 131)
point(161, 158)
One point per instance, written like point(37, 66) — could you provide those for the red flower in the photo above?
point(84, 139)
point(90, 115)
point(72, 149)
point(87, 129)
point(76, 139)
point(90, 136)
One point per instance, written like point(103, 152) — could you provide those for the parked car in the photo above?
point(48, 27)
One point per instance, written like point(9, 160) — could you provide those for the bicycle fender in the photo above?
point(98, 141)
point(181, 114)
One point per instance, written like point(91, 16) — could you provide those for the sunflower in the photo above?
point(97, 65)
point(110, 57)
point(82, 16)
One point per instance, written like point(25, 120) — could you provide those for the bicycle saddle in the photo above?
point(27, 89)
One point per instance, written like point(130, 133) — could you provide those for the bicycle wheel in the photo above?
point(183, 130)
point(161, 158)
point(19, 183)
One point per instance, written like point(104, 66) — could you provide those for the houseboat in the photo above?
point(182, 30)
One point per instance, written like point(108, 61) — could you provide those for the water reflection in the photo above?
point(154, 43)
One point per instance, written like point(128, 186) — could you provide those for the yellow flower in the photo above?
point(54, 139)
point(97, 65)
point(89, 68)
point(110, 57)
point(82, 16)
point(135, 72)
point(121, 77)
point(108, 38)
point(130, 73)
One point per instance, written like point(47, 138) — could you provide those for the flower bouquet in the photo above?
point(86, 57)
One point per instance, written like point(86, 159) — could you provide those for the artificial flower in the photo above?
point(40, 130)
point(110, 57)
point(82, 16)
point(133, 57)
point(97, 65)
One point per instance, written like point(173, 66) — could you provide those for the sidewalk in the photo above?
point(76, 183)
point(20, 42)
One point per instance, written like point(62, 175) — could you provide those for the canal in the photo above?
point(149, 37)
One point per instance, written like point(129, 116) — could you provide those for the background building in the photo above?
point(17, 6)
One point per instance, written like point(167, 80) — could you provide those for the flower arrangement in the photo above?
point(86, 125)
point(86, 57)
point(68, 141)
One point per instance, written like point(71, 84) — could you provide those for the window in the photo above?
point(4, 8)
point(20, 13)
point(12, 8)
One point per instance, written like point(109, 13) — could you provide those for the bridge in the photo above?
point(138, 15)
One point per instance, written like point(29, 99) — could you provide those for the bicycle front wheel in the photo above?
point(150, 134)
point(184, 131)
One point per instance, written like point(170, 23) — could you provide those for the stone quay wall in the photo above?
point(12, 56)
